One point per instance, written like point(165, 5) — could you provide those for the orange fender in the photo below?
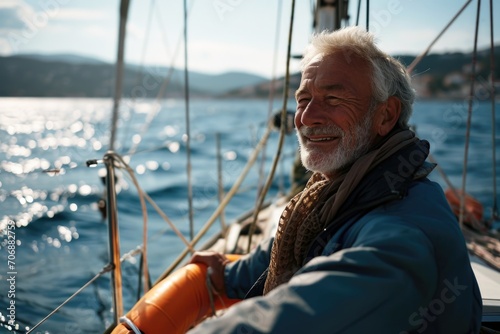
point(473, 208)
point(175, 304)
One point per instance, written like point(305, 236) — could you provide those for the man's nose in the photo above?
point(313, 114)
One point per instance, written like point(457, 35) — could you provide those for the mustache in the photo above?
point(331, 130)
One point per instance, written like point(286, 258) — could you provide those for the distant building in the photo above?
point(454, 79)
point(421, 85)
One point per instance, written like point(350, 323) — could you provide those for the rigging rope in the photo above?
point(410, 69)
point(142, 197)
point(170, 223)
point(130, 172)
point(272, 90)
point(282, 132)
point(220, 181)
point(476, 223)
point(141, 66)
point(109, 267)
point(188, 125)
point(146, 39)
point(358, 12)
point(314, 12)
point(493, 121)
point(367, 15)
point(417, 60)
point(106, 269)
point(469, 115)
point(124, 5)
point(222, 206)
point(161, 92)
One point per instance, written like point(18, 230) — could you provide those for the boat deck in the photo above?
point(489, 285)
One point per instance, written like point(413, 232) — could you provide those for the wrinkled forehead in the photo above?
point(341, 57)
point(339, 62)
point(335, 70)
point(346, 51)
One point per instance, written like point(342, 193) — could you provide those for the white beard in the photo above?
point(350, 147)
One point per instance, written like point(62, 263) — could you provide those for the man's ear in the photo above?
point(388, 115)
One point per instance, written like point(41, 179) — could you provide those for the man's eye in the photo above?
point(333, 99)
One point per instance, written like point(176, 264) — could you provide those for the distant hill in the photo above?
point(70, 75)
point(262, 90)
point(221, 83)
point(62, 57)
point(448, 75)
point(437, 76)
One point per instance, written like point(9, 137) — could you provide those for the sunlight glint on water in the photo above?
point(50, 194)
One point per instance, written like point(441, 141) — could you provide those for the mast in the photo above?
point(124, 4)
point(114, 240)
point(328, 14)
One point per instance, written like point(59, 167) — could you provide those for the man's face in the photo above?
point(334, 116)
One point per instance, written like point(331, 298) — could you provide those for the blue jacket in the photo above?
point(400, 267)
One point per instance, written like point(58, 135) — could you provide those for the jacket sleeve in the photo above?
point(239, 276)
point(374, 286)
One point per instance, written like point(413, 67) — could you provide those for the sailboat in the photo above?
point(241, 237)
point(250, 228)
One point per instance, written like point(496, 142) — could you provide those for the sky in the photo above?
point(225, 35)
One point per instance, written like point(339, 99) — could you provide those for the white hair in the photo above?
point(389, 76)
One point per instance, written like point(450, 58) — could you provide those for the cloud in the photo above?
point(13, 14)
point(135, 31)
point(21, 23)
point(13, 18)
point(78, 14)
point(414, 41)
point(16, 15)
point(220, 57)
point(9, 19)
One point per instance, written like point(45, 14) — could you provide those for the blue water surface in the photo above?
point(50, 195)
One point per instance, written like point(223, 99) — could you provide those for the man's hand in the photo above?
point(215, 261)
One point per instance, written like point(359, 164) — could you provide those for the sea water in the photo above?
point(54, 238)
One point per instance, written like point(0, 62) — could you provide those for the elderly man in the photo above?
point(370, 245)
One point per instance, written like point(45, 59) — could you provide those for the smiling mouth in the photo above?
point(322, 139)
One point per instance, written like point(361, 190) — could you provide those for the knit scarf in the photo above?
point(311, 210)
